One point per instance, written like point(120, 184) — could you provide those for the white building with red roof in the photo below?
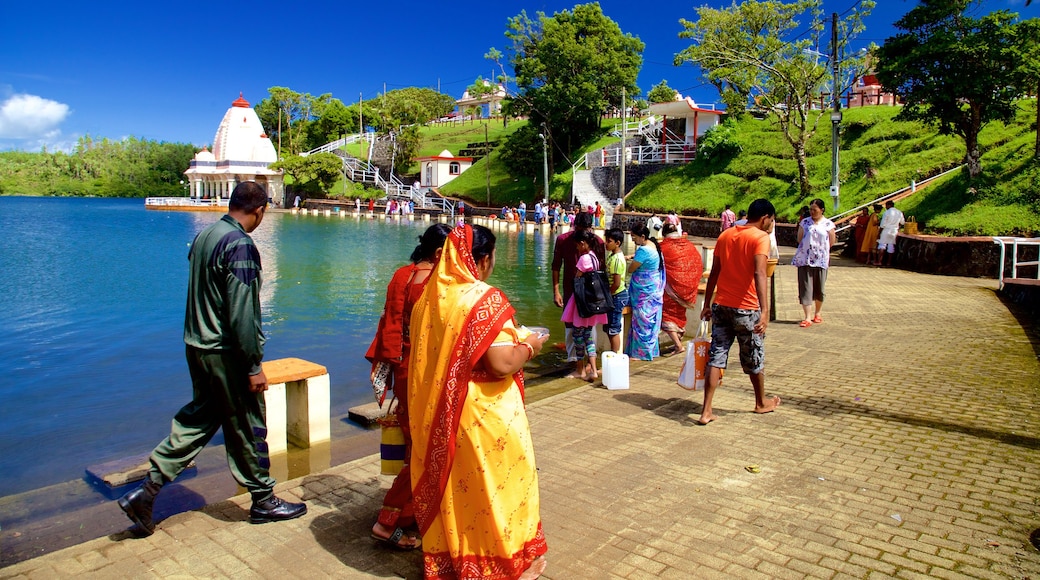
point(436, 170)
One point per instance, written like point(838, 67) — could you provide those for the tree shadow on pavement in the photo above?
point(1028, 318)
point(345, 530)
point(829, 406)
point(674, 408)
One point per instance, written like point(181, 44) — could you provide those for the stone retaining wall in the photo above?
point(608, 179)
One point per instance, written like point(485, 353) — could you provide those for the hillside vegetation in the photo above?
point(879, 155)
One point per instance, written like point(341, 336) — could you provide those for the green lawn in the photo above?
point(879, 155)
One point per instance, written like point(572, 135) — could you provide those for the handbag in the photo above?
point(392, 447)
point(695, 367)
point(592, 293)
point(910, 227)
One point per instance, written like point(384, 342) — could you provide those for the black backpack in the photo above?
point(592, 293)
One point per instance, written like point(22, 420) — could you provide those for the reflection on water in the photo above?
point(93, 361)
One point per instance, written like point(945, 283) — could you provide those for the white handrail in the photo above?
point(885, 197)
point(1004, 242)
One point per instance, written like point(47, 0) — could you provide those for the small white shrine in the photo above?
point(436, 170)
point(241, 152)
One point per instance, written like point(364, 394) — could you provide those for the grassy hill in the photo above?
point(507, 189)
point(878, 155)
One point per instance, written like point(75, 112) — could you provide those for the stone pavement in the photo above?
point(907, 446)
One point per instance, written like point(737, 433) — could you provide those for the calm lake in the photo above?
point(91, 330)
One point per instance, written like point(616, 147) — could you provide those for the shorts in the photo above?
point(728, 324)
point(616, 316)
point(811, 281)
point(890, 248)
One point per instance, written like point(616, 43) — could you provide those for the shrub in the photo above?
point(718, 143)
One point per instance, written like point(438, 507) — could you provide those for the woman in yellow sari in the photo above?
point(473, 471)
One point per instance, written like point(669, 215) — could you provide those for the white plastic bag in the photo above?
point(695, 366)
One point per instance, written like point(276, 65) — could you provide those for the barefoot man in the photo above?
point(737, 279)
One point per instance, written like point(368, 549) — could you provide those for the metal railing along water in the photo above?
point(1014, 244)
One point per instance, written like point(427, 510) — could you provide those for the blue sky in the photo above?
point(169, 70)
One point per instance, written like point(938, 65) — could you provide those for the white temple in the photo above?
point(241, 152)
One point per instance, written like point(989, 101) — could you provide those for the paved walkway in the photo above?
point(906, 446)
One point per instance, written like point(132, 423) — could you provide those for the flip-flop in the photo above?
point(394, 541)
point(805, 324)
point(817, 319)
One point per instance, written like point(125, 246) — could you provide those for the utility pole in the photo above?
point(487, 165)
point(545, 165)
point(624, 133)
point(836, 113)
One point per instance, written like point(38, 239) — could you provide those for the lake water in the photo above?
point(91, 329)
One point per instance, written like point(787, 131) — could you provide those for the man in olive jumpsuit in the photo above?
point(224, 347)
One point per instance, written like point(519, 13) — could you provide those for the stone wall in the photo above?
point(976, 257)
point(701, 227)
point(607, 179)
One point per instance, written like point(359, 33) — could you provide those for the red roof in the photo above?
point(240, 102)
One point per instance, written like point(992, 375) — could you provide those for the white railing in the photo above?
point(670, 153)
point(910, 188)
point(340, 143)
point(184, 202)
point(1006, 243)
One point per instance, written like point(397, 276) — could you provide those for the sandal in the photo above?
point(805, 324)
point(394, 541)
point(817, 319)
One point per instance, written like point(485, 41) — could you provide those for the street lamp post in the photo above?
point(835, 114)
point(545, 169)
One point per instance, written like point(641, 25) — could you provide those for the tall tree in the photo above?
point(1027, 35)
point(953, 70)
point(313, 173)
point(569, 68)
point(286, 114)
point(661, 93)
point(752, 50)
point(332, 121)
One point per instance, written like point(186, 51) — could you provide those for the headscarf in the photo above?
point(454, 322)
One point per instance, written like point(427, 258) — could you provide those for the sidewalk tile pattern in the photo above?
point(907, 446)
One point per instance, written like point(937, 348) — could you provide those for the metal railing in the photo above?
point(185, 201)
point(340, 143)
point(669, 153)
point(1006, 242)
point(910, 188)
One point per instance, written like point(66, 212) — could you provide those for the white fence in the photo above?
point(1012, 245)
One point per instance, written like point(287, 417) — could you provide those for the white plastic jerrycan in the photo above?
point(615, 370)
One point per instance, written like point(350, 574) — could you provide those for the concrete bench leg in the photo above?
point(274, 402)
point(298, 411)
point(308, 411)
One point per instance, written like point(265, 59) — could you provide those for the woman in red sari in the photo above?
point(683, 268)
point(473, 469)
point(389, 355)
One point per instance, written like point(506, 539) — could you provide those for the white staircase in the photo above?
point(585, 193)
point(361, 171)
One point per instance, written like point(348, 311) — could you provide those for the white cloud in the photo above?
point(30, 117)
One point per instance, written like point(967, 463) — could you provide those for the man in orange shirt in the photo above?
point(737, 279)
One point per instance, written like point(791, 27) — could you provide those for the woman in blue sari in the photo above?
point(646, 291)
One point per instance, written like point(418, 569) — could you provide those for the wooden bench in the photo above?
point(297, 401)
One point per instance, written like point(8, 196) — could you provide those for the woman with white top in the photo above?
point(816, 235)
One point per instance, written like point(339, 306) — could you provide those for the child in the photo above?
point(584, 342)
point(616, 270)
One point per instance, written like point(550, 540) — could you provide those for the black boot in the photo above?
point(138, 503)
point(275, 509)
